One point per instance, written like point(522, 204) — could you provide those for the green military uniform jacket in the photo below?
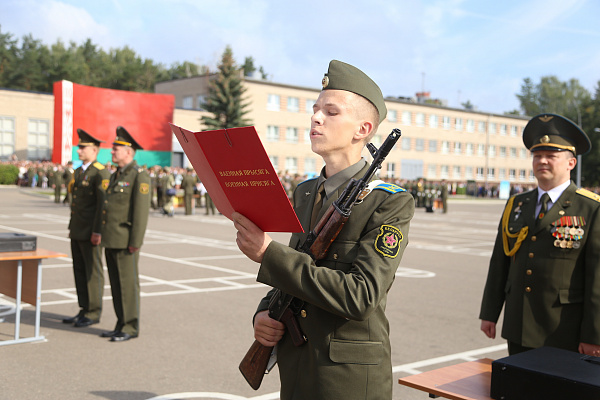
point(126, 208)
point(88, 198)
point(347, 354)
point(551, 293)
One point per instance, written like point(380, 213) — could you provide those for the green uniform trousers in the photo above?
point(125, 287)
point(89, 277)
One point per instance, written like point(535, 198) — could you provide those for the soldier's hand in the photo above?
point(251, 240)
point(489, 328)
point(96, 239)
point(132, 249)
point(267, 331)
point(589, 349)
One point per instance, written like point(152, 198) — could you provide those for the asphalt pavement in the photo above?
point(199, 293)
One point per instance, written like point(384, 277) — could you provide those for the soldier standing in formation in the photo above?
point(90, 182)
point(68, 180)
point(188, 184)
point(125, 217)
point(347, 354)
point(545, 266)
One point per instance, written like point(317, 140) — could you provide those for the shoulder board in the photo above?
point(98, 165)
point(389, 187)
point(308, 180)
point(587, 193)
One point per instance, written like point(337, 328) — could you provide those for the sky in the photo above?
point(458, 50)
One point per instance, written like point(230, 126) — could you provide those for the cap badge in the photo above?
point(545, 139)
point(325, 81)
point(546, 118)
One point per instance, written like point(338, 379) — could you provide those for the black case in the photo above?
point(17, 242)
point(546, 373)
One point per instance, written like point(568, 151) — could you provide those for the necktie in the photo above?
point(317, 206)
point(544, 209)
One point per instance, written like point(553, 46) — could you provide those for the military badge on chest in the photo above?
point(388, 241)
point(568, 231)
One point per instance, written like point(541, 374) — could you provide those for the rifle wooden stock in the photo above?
point(254, 364)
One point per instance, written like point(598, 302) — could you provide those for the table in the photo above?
point(21, 279)
point(465, 381)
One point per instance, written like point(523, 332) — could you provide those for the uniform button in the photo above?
point(103, 211)
point(303, 313)
point(103, 222)
point(74, 196)
point(529, 272)
point(533, 238)
point(510, 229)
point(528, 289)
point(335, 256)
point(530, 255)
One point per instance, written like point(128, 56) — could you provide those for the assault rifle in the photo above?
point(256, 362)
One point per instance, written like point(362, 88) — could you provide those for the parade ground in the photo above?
point(199, 293)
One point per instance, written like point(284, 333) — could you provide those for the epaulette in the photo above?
point(98, 166)
point(587, 193)
point(389, 187)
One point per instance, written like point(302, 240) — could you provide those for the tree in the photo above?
point(225, 97)
point(468, 105)
point(248, 67)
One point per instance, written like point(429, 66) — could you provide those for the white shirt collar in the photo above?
point(554, 193)
point(85, 166)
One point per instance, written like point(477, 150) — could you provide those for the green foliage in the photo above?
point(225, 100)
point(8, 174)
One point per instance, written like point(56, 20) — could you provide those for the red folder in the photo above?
point(237, 173)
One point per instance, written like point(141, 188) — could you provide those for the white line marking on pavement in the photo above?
point(213, 395)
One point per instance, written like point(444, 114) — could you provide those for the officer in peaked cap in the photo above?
point(545, 264)
point(556, 133)
point(336, 318)
point(87, 187)
point(125, 139)
point(124, 221)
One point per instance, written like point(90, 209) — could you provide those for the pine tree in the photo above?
point(225, 99)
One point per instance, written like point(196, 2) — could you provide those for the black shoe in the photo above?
point(110, 333)
point(74, 319)
point(121, 337)
point(85, 321)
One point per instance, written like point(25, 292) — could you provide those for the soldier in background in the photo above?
point(68, 181)
point(89, 183)
point(55, 179)
point(124, 224)
point(188, 184)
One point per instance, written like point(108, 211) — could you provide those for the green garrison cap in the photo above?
point(85, 139)
point(555, 132)
point(342, 76)
point(125, 139)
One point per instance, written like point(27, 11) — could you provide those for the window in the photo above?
point(309, 105)
point(512, 173)
point(420, 119)
point(433, 146)
point(457, 147)
point(405, 143)
point(492, 128)
point(513, 130)
point(459, 124)
point(513, 152)
point(291, 165)
point(444, 172)
point(392, 116)
point(492, 150)
point(38, 139)
point(272, 133)
point(420, 144)
point(273, 102)
point(201, 100)
point(456, 172)
point(445, 147)
point(406, 118)
point(481, 150)
point(502, 151)
point(481, 127)
point(7, 137)
point(431, 170)
point(446, 122)
point(502, 129)
point(469, 149)
point(310, 166)
point(468, 172)
point(479, 172)
point(275, 161)
point(391, 170)
point(501, 173)
point(523, 153)
point(293, 104)
point(531, 176)
point(522, 174)
point(470, 125)
point(433, 121)
point(291, 135)
point(188, 102)
point(491, 173)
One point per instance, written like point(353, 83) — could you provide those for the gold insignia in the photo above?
point(105, 184)
point(546, 118)
point(144, 188)
point(545, 139)
point(587, 193)
point(325, 82)
point(388, 241)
